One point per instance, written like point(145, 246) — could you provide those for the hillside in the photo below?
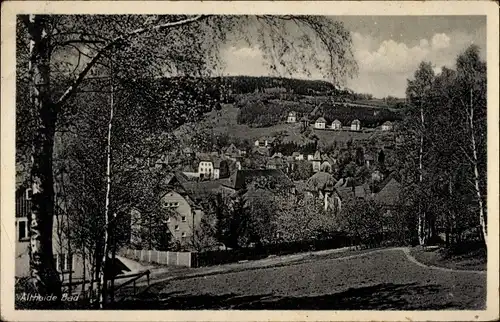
point(225, 122)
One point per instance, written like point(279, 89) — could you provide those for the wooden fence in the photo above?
point(159, 257)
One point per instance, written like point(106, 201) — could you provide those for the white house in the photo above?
point(356, 125)
point(316, 162)
point(320, 123)
point(298, 156)
point(387, 126)
point(310, 157)
point(292, 117)
point(206, 168)
point(336, 125)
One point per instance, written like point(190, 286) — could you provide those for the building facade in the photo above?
point(356, 125)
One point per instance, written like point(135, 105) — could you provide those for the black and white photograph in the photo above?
point(250, 160)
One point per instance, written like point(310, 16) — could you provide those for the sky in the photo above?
point(387, 49)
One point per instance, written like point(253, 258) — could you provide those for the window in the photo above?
point(176, 227)
point(29, 194)
point(175, 204)
point(23, 231)
point(64, 262)
point(183, 218)
point(183, 234)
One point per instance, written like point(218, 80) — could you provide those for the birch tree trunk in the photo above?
point(103, 269)
point(482, 219)
point(421, 214)
point(44, 276)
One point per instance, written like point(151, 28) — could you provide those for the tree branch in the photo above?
point(72, 88)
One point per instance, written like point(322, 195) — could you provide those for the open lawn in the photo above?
point(472, 259)
point(379, 280)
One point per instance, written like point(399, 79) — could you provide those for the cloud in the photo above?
point(244, 61)
point(384, 64)
point(384, 68)
point(440, 41)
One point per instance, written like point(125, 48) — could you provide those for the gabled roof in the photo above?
point(387, 123)
point(321, 181)
point(292, 113)
point(317, 156)
point(336, 122)
point(356, 122)
point(362, 191)
point(199, 190)
point(389, 191)
point(320, 120)
point(241, 178)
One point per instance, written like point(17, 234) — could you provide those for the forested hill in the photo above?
point(250, 84)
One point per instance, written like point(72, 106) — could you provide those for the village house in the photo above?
point(240, 179)
point(264, 142)
point(320, 123)
point(352, 191)
point(327, 164)
point(233, 152)
point(321, 186)
point(388, 191)
point(66, 261)
point(387, 126)
point(292, 117)
point(310, 157)
point(298, 156)
point(276, 163)
point(356, 125)
point(316, 162)
point(179, 200)
point(212, 167)
point(336, 125)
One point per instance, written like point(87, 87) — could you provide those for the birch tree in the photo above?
point(75, 46)
point(470, 98)
point(417, 93)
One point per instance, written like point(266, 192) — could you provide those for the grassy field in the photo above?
point(383, 280)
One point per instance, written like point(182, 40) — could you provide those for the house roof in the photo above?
point(199, 190)
point(320, 181)
point(292, 113)
point(368, 157)
point(320, 120)
point(304, 118)
point(344, 183)
point(389, 193)
point(232, 149)
point(296, 154)
point(242, 177)
point(387, 123)
point(362, 191)
point(336, 122)
point(356, 122)
point(317, 156)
